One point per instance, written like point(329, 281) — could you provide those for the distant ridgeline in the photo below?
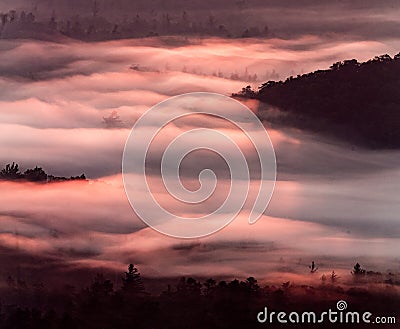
point(357, 102)
point(11, 173)
point(97, 23)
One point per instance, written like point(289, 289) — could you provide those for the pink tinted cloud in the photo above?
point(53, 118)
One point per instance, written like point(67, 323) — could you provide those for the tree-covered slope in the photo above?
point(359, 102)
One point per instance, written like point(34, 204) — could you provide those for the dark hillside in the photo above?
point(358, 102)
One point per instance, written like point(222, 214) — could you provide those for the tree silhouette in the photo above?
point(11, 172)
point(101, 287)
point(334, 277)
point(132, 282)
point(313, 268)
point(251, 284)
point(36, 174)
point(12, 14)
point(357, 270)
point(95, 8)
point(210, 286)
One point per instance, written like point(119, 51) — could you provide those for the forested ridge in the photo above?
point(190, 303)
point(357, 102)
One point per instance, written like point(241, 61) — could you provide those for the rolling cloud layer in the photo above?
point(332, 201)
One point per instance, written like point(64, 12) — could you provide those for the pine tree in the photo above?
point(132, 282)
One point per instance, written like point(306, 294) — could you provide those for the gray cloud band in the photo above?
point(217, 140)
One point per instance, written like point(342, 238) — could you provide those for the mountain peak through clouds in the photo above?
point(356, 102)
